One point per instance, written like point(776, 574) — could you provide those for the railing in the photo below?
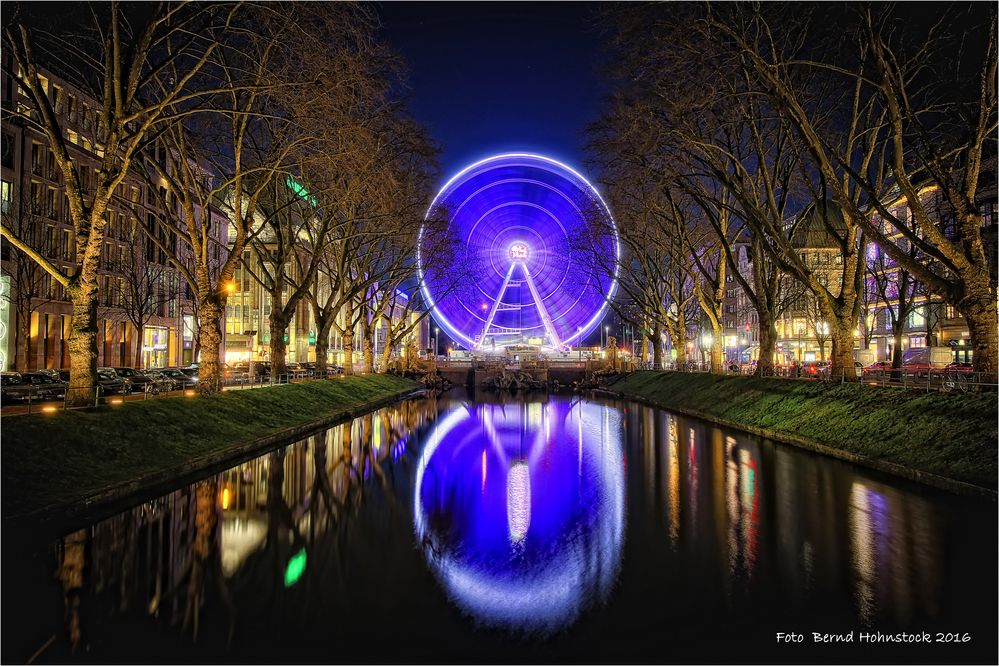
point(932, 379)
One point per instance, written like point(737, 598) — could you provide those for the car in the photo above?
point(46, 386)
point(878, 367)
point(161, 382)
point(14, 389)
point(136, 380)
point(110, 383)
point(858, 368)
point(813, 368)
point(180, 378)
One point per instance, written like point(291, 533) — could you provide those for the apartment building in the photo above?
point(36, 313)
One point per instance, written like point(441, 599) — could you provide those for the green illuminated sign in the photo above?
point(300, 190)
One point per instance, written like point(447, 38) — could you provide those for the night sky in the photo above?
point(495, 77)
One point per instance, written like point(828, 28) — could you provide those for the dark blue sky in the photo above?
point(495, 77)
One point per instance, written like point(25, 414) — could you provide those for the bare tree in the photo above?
point(30, 285)
point(118, 61)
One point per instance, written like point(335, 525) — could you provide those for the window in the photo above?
point(838, 259)
point(51, 206)
point(917, 340)
point(7, 150)
point(951, 312)
point(5, 195)
point(36, 158)
point(917, 317)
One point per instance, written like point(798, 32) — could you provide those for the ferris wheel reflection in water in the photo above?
point(520, 508)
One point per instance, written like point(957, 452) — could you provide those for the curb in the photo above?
point(895, 469)
point(162, 481)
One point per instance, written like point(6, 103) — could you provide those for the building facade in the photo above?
point(36, 312)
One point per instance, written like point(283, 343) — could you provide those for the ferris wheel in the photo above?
point(539, 248)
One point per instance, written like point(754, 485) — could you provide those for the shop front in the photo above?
point(155, 346)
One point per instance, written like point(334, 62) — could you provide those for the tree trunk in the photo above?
point(717, 348)
point(348, 351)
point(680, 345)
point(82, 347)
point(368, 347)
point(348, 337)
point(768, 342)
point(209, 340)
point(278, 347)
point(387, 350)
point(979, 311)
point(896, 352)
point(322, 347)
point(138, 346)
point(645, 350)
point(842, 353)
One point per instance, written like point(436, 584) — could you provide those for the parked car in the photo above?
point(858, 369)
point(13, 388)
point(110, 383)
point(813, 368)
point(161, 382)
point(136, 380)
point(877, 367)
point(180, 378)
point(46, 386)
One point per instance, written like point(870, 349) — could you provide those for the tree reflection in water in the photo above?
point(178, 557)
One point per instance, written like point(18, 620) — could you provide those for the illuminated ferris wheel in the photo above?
point(525, 224)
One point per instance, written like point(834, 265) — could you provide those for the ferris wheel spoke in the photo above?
point(495, 307)
point(545, 317)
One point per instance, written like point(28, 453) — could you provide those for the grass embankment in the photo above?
point(947, 434)
point(60, 458)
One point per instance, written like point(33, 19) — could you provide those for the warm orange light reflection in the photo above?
point(226, 498)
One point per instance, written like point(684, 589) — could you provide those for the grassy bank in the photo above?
point(63, 457)
point(951, 435)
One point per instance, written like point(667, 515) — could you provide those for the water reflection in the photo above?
point(531, 535)
point(513, 512)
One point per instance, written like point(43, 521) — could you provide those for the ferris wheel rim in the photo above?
point(436, 312)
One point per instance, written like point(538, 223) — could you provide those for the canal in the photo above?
point(486, 528)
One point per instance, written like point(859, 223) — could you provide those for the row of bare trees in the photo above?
point(276, 128)
point(766, 125)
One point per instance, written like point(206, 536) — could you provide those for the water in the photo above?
point(550, 528)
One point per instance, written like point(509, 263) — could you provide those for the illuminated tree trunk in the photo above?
point(279, 327)
point(979, 311)
point(348, 337)
point(368, 346)
point(323, 347)
point(387, 350)
point(768, 342)
point(83, 344)
point(209, 340)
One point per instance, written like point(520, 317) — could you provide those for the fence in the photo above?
point(927, 379)
point(48, 400)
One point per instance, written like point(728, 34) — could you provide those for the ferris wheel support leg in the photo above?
point(495, 307)
point(545, 317)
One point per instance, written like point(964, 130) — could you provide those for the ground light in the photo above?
point(296, 567)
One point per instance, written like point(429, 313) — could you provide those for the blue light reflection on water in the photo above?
point(520, 509)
